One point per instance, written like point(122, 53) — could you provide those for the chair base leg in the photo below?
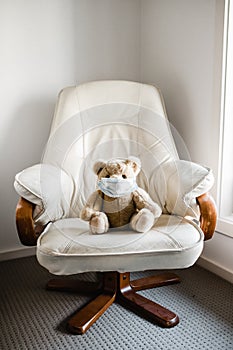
point(163, 279)
point(82, 320)
point(117, 287)
point(143, 306)
point(74, 286)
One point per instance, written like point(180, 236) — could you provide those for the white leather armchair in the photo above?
point(108, 119)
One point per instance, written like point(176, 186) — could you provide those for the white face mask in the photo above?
point(114, 187)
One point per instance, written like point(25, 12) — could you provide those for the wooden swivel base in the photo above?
point(117, 287)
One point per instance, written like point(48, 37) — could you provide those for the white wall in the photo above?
point(46, 45)
point(181, 51)
point(107, 39)
point(179, 54)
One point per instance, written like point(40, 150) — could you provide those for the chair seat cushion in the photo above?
point(67, 247)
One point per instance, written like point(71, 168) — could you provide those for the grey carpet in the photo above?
point(33, 318)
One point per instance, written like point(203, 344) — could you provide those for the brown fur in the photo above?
point(136, 208)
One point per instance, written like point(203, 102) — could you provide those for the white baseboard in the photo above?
point(216, 269)
point(17, 253)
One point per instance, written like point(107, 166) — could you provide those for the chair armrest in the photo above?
point(27, 231)
point(208, 214)
point(177, 184)
point(49, 188)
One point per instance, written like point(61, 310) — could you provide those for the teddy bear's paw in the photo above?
point(142, 221)
point(99, 224)
point(156, 210)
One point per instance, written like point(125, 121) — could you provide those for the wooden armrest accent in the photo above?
point(27, 231)
point(208, 218)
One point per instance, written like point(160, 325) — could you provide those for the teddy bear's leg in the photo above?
point(142, 221)
point(99, 223)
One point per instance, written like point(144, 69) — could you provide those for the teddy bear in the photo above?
point(118, 201)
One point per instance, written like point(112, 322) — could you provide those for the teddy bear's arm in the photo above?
point(142, 200)
point(92, 207)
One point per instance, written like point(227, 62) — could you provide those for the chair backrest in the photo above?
point(104, 120)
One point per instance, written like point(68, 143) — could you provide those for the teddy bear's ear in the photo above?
point(98, 166)
point(135, 163)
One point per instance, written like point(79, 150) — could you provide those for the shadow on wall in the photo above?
point(22, 146)
point(179, 108)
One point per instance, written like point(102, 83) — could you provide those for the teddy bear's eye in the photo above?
point(124, 176)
